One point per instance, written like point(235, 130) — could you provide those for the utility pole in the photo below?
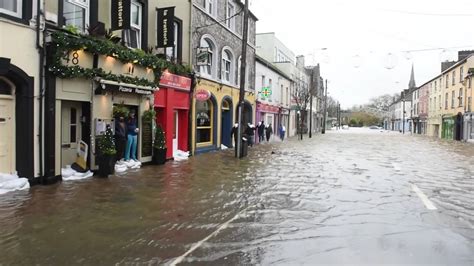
point(311, 105)
point(243, 66)
point(325, 108)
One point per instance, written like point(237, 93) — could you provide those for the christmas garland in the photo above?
point(66, 42)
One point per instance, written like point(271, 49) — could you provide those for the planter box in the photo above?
point(159, 156)
point(106, 165)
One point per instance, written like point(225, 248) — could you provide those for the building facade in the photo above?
point(216, 41)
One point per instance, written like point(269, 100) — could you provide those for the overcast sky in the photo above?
point(366, 40)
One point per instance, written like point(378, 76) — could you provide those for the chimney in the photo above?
point(446, 64)
point(464, 54)
point(300, 61)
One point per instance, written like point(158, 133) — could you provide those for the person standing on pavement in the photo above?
point(120, 137)
point(131, 149)
point(269, 131)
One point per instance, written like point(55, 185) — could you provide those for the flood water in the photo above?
point(343, 197)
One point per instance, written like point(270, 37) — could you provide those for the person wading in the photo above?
point(261, 131)
point(269, 131)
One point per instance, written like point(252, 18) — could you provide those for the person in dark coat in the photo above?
point(261, 131)
point(250, 134)
point(120, 137)
point(269, 131)
point(233, 133)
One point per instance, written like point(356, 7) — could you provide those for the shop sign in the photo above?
point(165, 27)
point(126, 89)
point(266, 92)
point(174, 81)
point(203, 56)
point(202, 95)
point(120, 14)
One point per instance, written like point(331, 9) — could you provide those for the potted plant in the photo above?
point(148, 116)
point(106, 153)
point(159, 146)
point(120, 110)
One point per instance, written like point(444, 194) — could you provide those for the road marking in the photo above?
point(198, 244)
point(429, 205)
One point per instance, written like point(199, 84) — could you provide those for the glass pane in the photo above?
point(9, 5)
point(73, 116)
point(135, 9)
point(74, 15)
point(203, 135)
point(73, 134)
point(203, 114)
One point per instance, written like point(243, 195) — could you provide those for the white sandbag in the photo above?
point(224, 147)
point(78, 176)
point(9, 182)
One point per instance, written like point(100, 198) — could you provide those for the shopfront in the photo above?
point(214, 113)
point(269, 114)
point(172, 109)
point(447, 127)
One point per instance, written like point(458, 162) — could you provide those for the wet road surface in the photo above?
point(344, 197)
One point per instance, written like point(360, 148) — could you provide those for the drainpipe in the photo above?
point(40, 48)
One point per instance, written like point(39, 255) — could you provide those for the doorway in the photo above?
point(175, 131)
point(226, 123)
point(7, 134)
point(458, 126)
point(71, 131)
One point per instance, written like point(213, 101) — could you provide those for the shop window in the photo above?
point(133, 36)
point(204, 122)
point(5, 88)
point(76, 13)
point(208, 70)
point(11, 7)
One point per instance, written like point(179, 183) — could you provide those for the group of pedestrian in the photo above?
point(263, 131)
point(126, 132)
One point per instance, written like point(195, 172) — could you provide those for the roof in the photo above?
point(272, 67)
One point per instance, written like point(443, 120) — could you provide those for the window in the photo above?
point(434, 103)
point(230, 20)
point(204, 122)
point(454, 77)
point(436, 85)
point(11, 7)
point(208, 69)
point(447, 80)
point(470, 82)
point(226, 65)
point(469, 102)
point(287, 96)
point(263, 81)
point(73, 126)
point(460, 97)
point(174, 52)
point(446, 101)
point(76, 13)
point(461, 72)
point(133, 36)
point(453, 95)
point(281, 93)
point(276, 55)
point(211, 7)
point(238, 70)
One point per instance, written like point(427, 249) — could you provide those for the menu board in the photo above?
point(147, 139)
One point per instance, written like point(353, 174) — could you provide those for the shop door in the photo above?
point(226, 125)
point(6, 136)
point(70, 131)
point(175, 132)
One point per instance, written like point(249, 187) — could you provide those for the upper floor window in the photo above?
point(209, 69)
point(76, 13)
point(133, 36)
point(211, 7)
point(454, 77)
point(470, 82)
point(11, 7)
point(447, 80)
point(230, 20)
point(453, 95)
point(174, 53)
point(460, 97)
point(227, 61)
point(436, 85)
point(446, 101)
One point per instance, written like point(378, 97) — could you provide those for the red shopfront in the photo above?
point(172, 109)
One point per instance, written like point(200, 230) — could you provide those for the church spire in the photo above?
point(412, 83)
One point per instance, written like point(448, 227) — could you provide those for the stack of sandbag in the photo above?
point(179, 155)
point(70, 174)
point(12, 182)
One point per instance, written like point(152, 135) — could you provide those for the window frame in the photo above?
point(230, 19)
point(212, 54)
point(446, 101)
point(453, 96)
point(460, 97)
point(227, 62)
point(210, 127)
point(134, 27)
point(461, 72)
point(86, 5)
point(178, 39)
point(213, 7)
point(453, 77)
point(19, 8)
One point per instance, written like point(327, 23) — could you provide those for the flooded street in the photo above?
point(343, 197)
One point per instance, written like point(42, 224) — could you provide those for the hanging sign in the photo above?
point(266, 92)
point(203, 56)
point(202, 95)
point(165, 26)
point(120, 14)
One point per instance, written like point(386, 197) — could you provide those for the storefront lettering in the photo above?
point(174, 81)
point(125, 89)
point(145, 92)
